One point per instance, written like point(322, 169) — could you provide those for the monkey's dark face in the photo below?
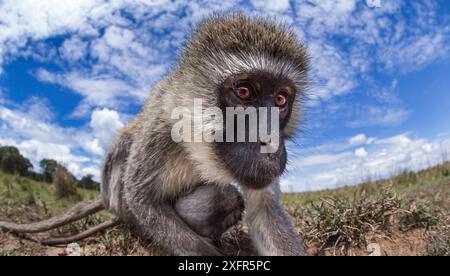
point(245, 160)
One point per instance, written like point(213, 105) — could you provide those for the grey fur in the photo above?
point(210, 210)
point(269, 226)
point(160, 186)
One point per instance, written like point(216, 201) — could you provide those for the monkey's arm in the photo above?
point(269, 226)
point(141, 189)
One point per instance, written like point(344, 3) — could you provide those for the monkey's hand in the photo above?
point(162, 226)
point(159, 223)
point(270, 227)
point(210, 210)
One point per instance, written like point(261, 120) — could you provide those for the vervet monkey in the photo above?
point(180, 194)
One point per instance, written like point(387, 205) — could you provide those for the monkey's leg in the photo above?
point(270, 227)
point(211, 210)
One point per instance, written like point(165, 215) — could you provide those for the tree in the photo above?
point(48, 167)
point(35, 176)
point(11, 161)
point(87, 182)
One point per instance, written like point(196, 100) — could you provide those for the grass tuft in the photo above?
point(340, 222)
point(419, 216)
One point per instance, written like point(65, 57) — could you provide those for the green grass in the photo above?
point(23, 200)
point(22, 192)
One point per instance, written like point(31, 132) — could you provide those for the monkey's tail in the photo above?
point(79, 211)
point(83, 235)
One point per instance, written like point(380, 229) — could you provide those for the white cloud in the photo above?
point(101, 90)
point(119, 38)
point(331, 71)
point(20, 123)
point(38, 108)
point(358, 140)
point(105, 124)
point(44, 18)
point(361, 153)
point(416, 52)
point(39, 150)
point(38, 20)
point(73, 49)
point(373, 3)
point(320, 159)
point(402, 139)
point(383, 158)
point(325, 14)
point(79, 171)
point(395, 35)
point(135, 52)
point(388, 95)
point(269, 5)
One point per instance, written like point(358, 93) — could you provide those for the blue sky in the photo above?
point(72, 73)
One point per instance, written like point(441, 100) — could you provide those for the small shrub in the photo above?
point(419, 217)
point(447, 172)
point(65, 183)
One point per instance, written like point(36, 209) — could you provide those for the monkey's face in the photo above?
point(262, 93)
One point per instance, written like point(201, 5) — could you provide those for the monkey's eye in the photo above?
point(281, 98)
point(243, 91)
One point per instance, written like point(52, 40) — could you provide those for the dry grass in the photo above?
point(344, 223)
point(346, 220)
point(342, 226)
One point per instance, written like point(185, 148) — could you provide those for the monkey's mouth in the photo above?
point(249, 166)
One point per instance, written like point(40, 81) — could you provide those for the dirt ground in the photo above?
point(412, 243)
